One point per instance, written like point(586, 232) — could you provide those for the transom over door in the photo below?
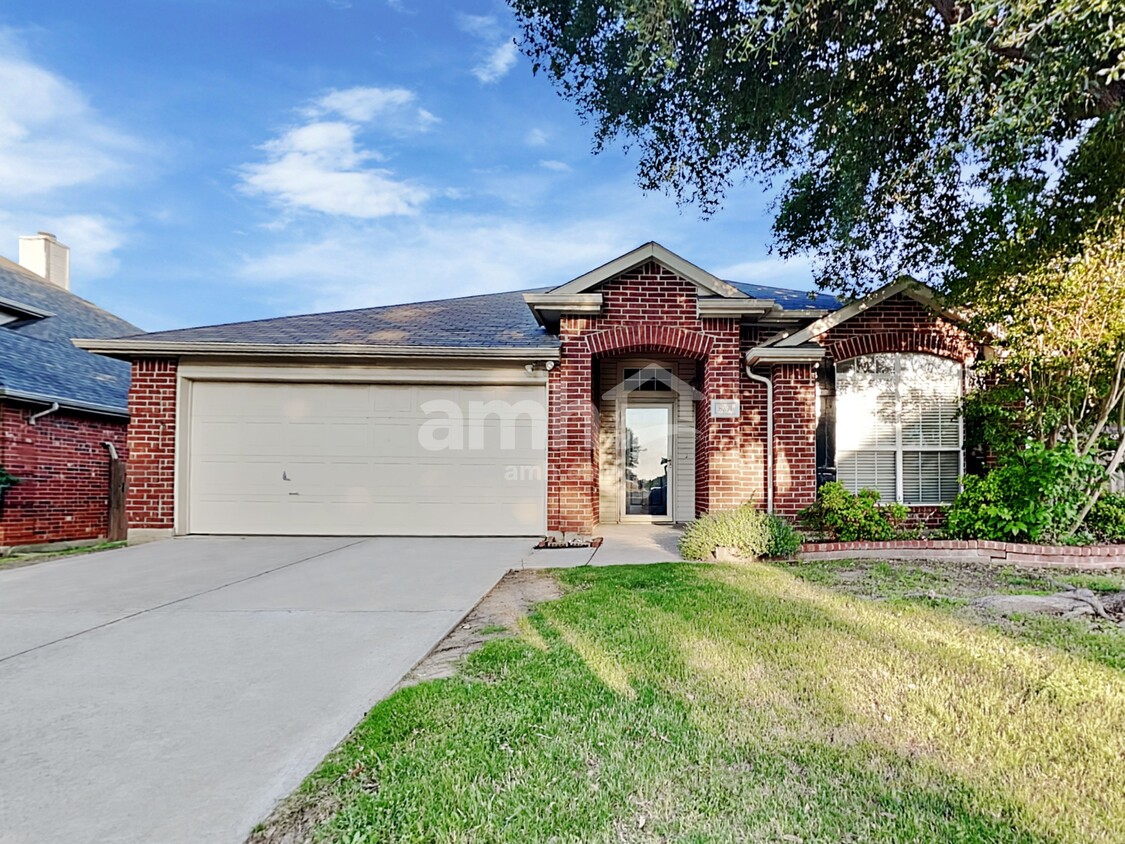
point(366, 459)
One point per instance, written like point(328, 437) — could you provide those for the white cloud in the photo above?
point(319, 167)
point(482, 26)
point(497, 63)
point(50, 136)
point(778, 272)
point(393, 106)
point(365, 264)
point(92, 239)
point(322, 166)
point(556, 166)
point(536, 138)
point(499, 53)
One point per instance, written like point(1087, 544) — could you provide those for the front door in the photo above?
point(647, 458)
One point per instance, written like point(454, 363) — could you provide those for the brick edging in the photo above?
point(1013, 553)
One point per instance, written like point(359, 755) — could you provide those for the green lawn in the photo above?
point(739, 703)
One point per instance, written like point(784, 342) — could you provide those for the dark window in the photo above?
point(650, 379)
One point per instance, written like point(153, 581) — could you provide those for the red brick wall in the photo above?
point(754, 459)
point(647, 311)
point(63, 493)
point(152, 437)
point(898, 324)
point(572, 443)
point(794, 409)
point(728, 483)
point(649, 295)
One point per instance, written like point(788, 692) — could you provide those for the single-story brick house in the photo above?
point(63, 411)
point(644, 390)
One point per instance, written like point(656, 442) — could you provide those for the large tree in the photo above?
point(962, 141)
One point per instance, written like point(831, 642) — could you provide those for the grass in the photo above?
point(737, 703)
point(952, 587)
point(24, 559)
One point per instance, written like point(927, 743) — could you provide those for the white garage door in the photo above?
point(366, 459)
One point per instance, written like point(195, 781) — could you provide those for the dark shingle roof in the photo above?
point(487, 321)
point(791, 300)
point(36, 355)
point(494, 320)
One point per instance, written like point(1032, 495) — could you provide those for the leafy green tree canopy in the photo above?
point(958, 140)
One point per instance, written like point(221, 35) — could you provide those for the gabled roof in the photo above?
point(38, 362)
point(494, 325)
point(651, 251)
point(70, 315)
point(907, 286)
point(489, 325)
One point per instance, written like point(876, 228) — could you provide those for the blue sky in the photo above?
point(213, 161)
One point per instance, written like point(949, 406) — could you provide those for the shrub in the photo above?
point(7, 478)
point(785, 540)
point(853, 517)
point(748, 530)
point(1106, 520)
point(1033, 496)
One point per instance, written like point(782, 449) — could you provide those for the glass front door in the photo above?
point(648, 459)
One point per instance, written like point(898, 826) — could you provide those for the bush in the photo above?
point(857, 517)
point(747, 530)
point(1106, 520)
point(785, 540)
point(1033, 496)
point(6, 478)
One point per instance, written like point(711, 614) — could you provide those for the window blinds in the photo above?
point(898, 429)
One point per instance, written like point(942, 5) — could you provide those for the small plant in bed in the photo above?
point(747, 531)
point(853, 517)
point(1106, 520)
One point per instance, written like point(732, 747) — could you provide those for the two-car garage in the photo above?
point(424, 453)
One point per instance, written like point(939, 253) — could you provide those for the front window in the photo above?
point(898, 426)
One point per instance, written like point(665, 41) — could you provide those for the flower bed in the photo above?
point(1009, 553)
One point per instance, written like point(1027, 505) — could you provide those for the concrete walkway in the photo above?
point(621, 545)
point(173, 692)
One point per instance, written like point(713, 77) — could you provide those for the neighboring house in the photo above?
point(645, 390)
point(59, 405)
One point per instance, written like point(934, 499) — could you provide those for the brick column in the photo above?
point(572, 486)
point(722, 482)
point(794, 437)
point(152, 448)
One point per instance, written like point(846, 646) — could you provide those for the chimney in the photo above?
point(44, 255)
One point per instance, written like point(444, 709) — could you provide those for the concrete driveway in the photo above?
point(175, 691)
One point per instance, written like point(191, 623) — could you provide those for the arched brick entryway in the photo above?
point(573, 454)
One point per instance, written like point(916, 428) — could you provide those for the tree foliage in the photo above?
point(959, 140)
point(1057, 376)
